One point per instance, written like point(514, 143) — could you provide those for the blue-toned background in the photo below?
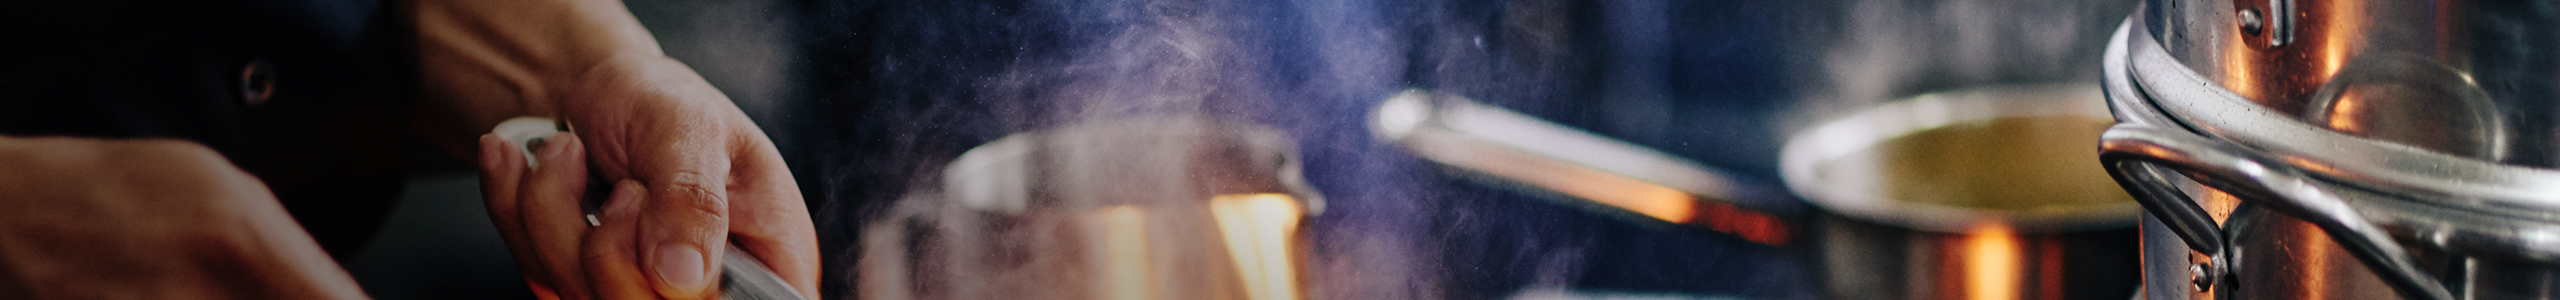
point(871, 98)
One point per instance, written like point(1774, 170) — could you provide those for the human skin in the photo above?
point(693, 174)
point(149, 219)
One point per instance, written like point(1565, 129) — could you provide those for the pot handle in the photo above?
point(2140, 158)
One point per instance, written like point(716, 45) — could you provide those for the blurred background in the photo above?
point(872, 100)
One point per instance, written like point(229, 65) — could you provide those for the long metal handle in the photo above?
point(2138, 155)
point(1520, 151)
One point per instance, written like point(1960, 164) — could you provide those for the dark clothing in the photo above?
point(307, 95)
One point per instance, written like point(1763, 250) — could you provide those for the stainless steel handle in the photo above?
point(1520, 151)
point(2137, 155)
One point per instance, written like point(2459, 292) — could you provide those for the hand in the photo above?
point(692, 172)
point(149, 219)
point(692, 175)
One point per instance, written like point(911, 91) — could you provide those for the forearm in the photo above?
point(484, 61)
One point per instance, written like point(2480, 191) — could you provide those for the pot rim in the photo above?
point(1855, 133)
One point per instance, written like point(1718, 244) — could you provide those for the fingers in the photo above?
point(684, 227)
point(652, 120)
point(549, 211)
point(769, 219)
point(609, 254)
point(501, 169)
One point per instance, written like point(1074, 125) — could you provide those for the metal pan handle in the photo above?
point(2139, 157)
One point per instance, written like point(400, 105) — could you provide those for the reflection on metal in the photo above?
point(1154, 208)
point(1121, 233)
point(2400, 171)
point(2338, 40)
point(1993, 263)
point(2410, 100)
point(1530, 153)
point(1962, 194)
point(1258, 228)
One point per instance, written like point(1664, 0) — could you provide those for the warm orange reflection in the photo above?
point(1651, 200)
point(2048, 269)
point(1634, 195)
point(2347, 114)
point(2326, 36)
point(2313, 165)
point(1122, 234)
point(1257, 228)
point(1992, 263)
point(2219, 205)
point(2239, 70)
point(2315, 259)
point(1750, 225)
point(2337, 42)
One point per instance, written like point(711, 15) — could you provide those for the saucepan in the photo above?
point(1174, 207)
point(1982, 193)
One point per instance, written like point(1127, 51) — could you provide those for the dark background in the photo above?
point(869, 99)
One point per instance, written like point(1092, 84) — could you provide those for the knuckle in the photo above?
point(694, 195)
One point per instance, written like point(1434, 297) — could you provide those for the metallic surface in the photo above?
point(2503, 49)
point(1875, 247)
point(1508, 149)
point(1850, 135)
point(743, 277)
point(1868, 260)
point(2413, 137)
point(1875, 252)
point(1124, 209)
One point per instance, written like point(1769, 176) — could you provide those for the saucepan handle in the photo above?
point(2142, 157)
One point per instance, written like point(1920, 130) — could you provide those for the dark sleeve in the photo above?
point(307, 95)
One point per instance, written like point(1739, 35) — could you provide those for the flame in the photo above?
point(1992, 264)
point(1257, 228)
point(1123, 238)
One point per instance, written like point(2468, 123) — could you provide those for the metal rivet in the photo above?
point(257, 82)
point(2200, 275)
point(2251, 22)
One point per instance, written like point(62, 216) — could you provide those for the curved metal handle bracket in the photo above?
point(2139, 157)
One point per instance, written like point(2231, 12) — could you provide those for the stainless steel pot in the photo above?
point(2340, 149)
point(1979, 193)
point(1966, 194)
point(1177, 207)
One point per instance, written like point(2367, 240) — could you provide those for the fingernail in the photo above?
point(553, 146)
point(626, 191)
point(491, 149)
point(679, 266)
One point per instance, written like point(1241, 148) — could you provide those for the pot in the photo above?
point(1974, 193)
point(1982, 193)
point(1143, 208)
point(2339, 149)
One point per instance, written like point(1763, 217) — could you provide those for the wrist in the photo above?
point(621, 82)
